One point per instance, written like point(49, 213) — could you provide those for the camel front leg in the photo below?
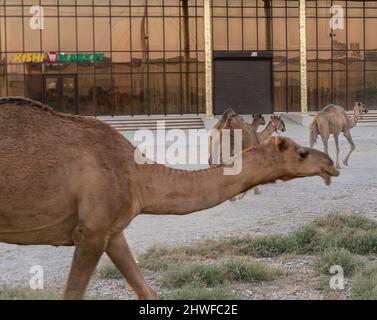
point(336, 139)
point(121, 255)
point(353, 147)
point(89, 249)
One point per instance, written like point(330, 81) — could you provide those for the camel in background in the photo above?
point(225, 122)
point(276, 124)
point(231, 120)
point(73, 181)
point(333, 119)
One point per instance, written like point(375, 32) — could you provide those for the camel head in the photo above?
point(235, 121)
point(278, 123)
point(258, 120)
point(224, 118)
point(294, 161)
point(358, 110)
point(228, 112)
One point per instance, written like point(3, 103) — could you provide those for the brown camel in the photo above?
point(258, 120)
point(275, 124)
point(333, 119)
point(73, 181)
point(229, 120)
point(250, 137)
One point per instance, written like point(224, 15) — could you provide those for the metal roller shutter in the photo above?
point(243, 84)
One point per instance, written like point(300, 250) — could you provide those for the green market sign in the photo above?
point(57, 57)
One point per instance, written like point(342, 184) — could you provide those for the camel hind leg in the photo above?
point(324, 132)
point(120, 254)
point(336, 140)
point(89, 249)
point(353, 147)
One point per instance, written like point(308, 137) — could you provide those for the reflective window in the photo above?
point(342, 69)
point(263, 25)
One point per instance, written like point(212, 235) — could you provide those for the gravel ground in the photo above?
point(281, 208)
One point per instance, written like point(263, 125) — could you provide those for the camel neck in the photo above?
point(353, 121)
point(267, 132)
point(165, 190)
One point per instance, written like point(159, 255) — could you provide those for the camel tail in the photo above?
point(313, 133)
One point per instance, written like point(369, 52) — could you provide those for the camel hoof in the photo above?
point(345, 163)
point(338, 166)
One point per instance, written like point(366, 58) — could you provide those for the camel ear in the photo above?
point(281, 143)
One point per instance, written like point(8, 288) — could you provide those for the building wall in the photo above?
point(151, 65)
point(154, 51)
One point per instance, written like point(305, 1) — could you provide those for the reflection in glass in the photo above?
point(122, 94)
point(102, 93)
point(280, 91)
point(85, 34)
point(34, 87)
point(32, 37)
point(173, 93)
point(13, 34)
point(67, 34)
point(86, 94)
point(324, 88)
point(294, 91)
point(371, 89)
point(312, 91)
point(49, 35)
point(355, 86)
point(339, 88)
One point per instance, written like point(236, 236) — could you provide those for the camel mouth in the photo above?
point(327, 174)
point(326, 178)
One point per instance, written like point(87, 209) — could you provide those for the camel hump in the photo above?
point(21, 101)
point(329, 108)
point(333, 108)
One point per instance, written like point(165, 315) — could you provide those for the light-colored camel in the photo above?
point(73, 181)
point(333, 119)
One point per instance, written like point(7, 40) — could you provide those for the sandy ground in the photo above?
point(281, 208)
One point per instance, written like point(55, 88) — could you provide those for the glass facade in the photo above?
point(259, 25)
point(153, 55)
point(342, 63)
point(126, 57)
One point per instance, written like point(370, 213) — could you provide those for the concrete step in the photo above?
point(305, 119)
point(129, 123)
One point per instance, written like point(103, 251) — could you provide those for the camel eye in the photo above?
point(303, 153)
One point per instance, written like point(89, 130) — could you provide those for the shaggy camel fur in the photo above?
point(73, 181)
point(333, 119)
